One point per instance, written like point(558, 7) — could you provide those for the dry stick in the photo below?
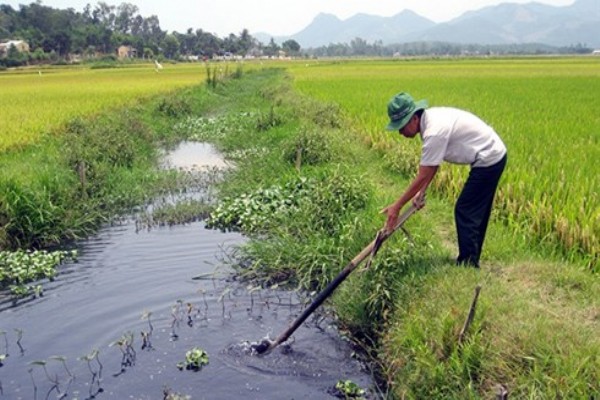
point(470, 317)
point(298, 158)
point(82, 171)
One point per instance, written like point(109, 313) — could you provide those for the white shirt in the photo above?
point(458, 137)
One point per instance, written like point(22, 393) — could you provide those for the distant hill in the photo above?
point(507, 23)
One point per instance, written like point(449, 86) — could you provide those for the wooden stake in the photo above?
point(298, 158)
point(470, 316)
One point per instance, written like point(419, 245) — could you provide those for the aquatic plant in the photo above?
point(43, 363)
point(63, 361)
point(212, 129)
point(88, 358)
point(317, 201)
point(195, 359)
point(125, 344)
point(347, 389)
point(169, 395)
point(18, 268)
point(5, 354)
point(147, 335)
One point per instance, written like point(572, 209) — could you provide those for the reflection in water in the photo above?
point(137, 301)
point(194, 155)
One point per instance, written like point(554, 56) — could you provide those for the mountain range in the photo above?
point(506, 23)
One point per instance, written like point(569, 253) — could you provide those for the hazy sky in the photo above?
point(277, 17)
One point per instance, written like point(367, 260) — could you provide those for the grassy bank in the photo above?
point(307, 189)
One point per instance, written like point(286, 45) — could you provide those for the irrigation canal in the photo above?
point(170, 290)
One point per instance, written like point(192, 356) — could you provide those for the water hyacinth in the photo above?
point(204, 129)
point(195, 359)
point(21, 267)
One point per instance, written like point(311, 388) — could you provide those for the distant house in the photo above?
point(21, 46)
point(596, 52)
point(126, 52)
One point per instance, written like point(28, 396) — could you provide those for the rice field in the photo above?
point(545, 109)
point(35, 102)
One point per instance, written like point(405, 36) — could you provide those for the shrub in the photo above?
point(310, 146)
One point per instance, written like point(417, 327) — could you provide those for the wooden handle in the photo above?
point(339, 279)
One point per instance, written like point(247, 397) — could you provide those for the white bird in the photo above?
point(158, 65)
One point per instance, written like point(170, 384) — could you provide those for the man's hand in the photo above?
point(419, 199)
point(392, 212)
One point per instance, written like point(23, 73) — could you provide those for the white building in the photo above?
point(21, 45)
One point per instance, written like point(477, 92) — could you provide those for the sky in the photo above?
point(277, 17)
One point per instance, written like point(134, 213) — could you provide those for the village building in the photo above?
point(21, 46)
point(126, 52)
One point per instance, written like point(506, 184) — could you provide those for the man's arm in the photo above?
point(418, 186)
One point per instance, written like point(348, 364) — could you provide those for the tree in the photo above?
point(125, 17)
point(170, 47)
point(104, 14)
point(291, 47)
point(359, 46)
point(272, 49)
point(246, 42)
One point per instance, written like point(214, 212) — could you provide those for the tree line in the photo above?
point(359, 47)
point(55, 35)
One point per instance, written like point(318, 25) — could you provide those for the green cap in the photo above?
point(401, 108)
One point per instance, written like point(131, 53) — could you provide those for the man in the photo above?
point(458, 137)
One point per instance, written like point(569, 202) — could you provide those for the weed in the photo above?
point(195, 360)
point(310, 146)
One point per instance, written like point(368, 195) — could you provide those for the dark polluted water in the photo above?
point(116, 324)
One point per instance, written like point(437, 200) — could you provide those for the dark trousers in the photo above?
point(473, 209)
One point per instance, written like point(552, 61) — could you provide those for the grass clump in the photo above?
point(310, 146)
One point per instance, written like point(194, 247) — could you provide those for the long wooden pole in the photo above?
point(336, 282)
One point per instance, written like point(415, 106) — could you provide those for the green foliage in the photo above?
point(34, 215)
point(256, 211)
point(349, 390)
point(21, 267)
point(310, 146)
point(195, 360)
point(204, 129)
point(174, 107)
point(319, 202)
point(326, 115)
point(266, 121)
point(96, 148)
point(519, 338)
